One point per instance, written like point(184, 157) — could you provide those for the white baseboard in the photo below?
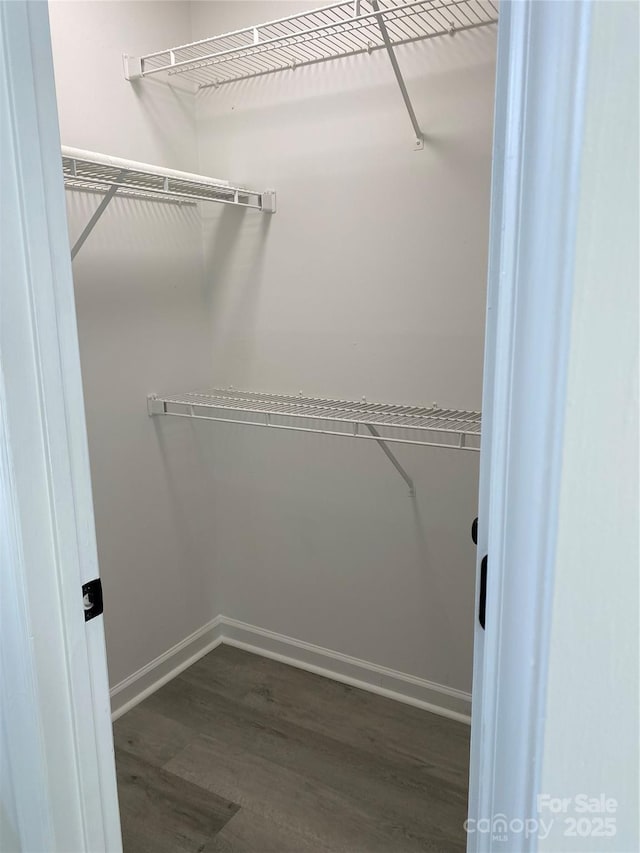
point(349, 670)
point(132, 690)
point(400, 686)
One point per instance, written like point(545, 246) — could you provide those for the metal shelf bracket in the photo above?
point(390, 456)
point(113, 189)
point(419, 136)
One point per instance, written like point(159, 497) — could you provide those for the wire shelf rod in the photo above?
point(270, 70)
point(157, 194)
point(238, 422)
point(242, 31)
point(389, 416)
point(260, 46)
point(318, 35)
point(392, 415)
point(384, 423)
point(95, 172)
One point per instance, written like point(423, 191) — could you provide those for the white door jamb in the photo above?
point(541, 81)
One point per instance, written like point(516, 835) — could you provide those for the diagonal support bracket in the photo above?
point(385, 449)
point(419, 145)
point(113, 189)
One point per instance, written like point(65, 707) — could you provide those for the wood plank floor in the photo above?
point(241, 754)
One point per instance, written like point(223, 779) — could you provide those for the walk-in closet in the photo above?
point(279, 216)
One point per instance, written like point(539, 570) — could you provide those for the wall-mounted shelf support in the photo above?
point(384, 423)
point(113, 189)
point(382, 444)
point(92, 172)
point(419, 136)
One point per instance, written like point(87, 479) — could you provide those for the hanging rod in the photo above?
point(384, 423)
point(340, 29)
point(93, 172)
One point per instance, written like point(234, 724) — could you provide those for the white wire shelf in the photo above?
point(90, 171)
point(381, 422)
point(333, 31)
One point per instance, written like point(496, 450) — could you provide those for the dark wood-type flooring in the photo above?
point(241, 754)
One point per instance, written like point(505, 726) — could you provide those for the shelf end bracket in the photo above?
point(268, 201)
point(155, 406)
point(390, 456)
point(132, 67)
point(419, 136)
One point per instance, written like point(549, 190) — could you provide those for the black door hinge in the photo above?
point(482, 605)
point(92, 599)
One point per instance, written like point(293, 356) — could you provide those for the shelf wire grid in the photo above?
point(403, 424)
point(96, 176)
point(338, 30)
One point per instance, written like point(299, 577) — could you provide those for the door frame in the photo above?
point(55, 716)
point(45, 485)
point(541, 79)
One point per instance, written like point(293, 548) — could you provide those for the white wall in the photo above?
point(591, 729)
point(142, 328)
point(369, 280)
